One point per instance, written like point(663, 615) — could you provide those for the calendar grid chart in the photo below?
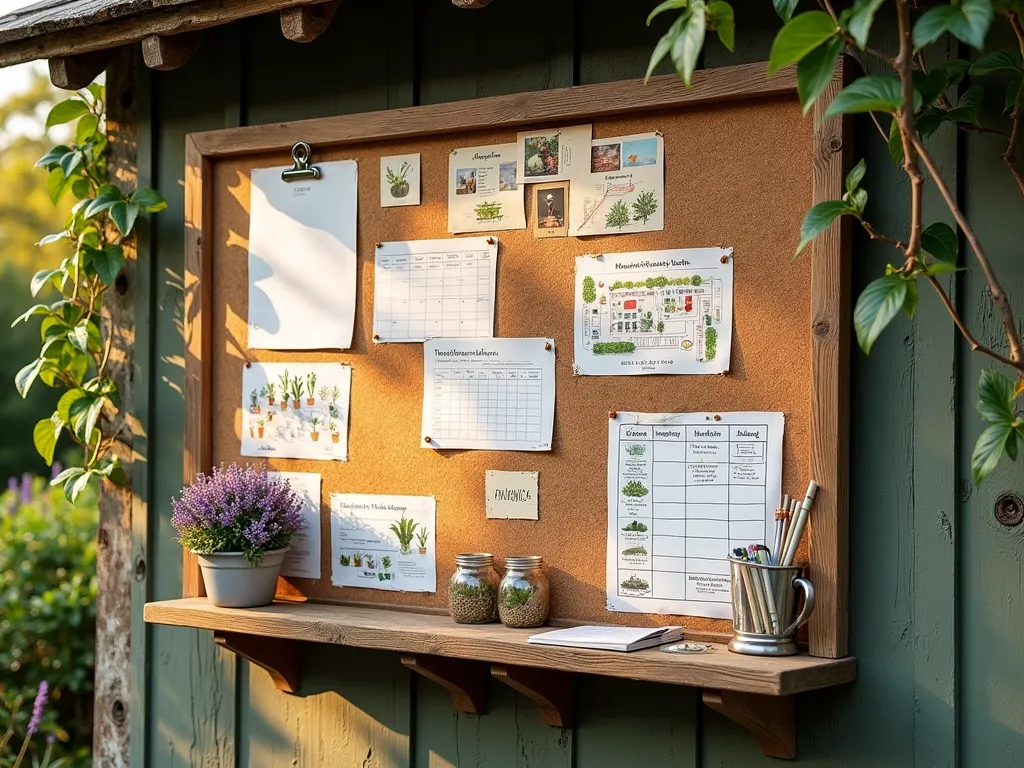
point(487, 404)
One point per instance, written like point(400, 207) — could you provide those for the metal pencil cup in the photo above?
point(764, 601)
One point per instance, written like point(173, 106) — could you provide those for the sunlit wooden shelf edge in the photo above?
point(414, 633)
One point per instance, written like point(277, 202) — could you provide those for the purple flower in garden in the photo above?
point(237, 509)
point(26, 488)
point(37, 707)
point(14, 488)
point(56, 469)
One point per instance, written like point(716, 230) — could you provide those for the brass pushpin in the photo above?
point(612, 414)
point(376, 337)
point(490, 241)
point(724, 259)
point(547, 345)
point(379, 245)
point(426, 439)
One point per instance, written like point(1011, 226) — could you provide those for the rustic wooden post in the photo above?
point(113, 560)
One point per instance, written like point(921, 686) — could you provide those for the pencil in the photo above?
point(752, 601)
point(769, 594)
point(760, 595)
point(798, 525)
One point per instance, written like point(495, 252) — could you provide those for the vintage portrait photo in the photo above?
point(550, 209)
point(465, 181)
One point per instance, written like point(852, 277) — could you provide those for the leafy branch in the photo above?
point(75, 347)
point(918, 102)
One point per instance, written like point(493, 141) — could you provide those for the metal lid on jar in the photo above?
point(474, 559)
point(524, 562)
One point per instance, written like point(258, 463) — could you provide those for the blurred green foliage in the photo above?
point(48, 611)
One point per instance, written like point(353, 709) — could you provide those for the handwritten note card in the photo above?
point(511, 495)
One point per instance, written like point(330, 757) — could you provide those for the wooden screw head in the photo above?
point(248, 363)
point(376, 337)
point(490, 241)
point(378, 245)
point(547, 345)
point(724, 259)
point(426, 439)
point(612, 414)
point(717, 417)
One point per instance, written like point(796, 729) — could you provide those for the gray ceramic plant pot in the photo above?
point(231, 582)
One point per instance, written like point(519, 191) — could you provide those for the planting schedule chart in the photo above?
point(424, 289)
point(495, 394)
point(683, 491)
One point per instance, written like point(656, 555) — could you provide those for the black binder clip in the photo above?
point(301, 169)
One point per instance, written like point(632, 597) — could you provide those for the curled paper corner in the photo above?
point(576, 370)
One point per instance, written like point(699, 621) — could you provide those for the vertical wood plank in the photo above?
point(111, 714)
point(190, 713)
point(830, 382)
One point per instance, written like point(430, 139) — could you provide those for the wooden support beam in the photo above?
point(307, 22)
point(471, 3)
point(74, 72)
point(771, 719)
point(549, 689)
point(466, 681)
point(165, 52)
point(278, 656)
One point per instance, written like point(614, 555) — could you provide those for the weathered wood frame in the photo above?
point(830, 271)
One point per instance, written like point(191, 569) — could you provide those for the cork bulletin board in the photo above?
point(742, 167)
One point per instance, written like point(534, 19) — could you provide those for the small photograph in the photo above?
point(507, 177)
point(541, 154)
point(400, 180)
point(605, 157)
point(465, 181)
point(550, 209)
point(640, 152)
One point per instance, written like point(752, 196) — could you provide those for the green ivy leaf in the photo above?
point(814, 72)
point(969, 22)
point(799, 37)
point(667, 5)
point(856, 175)
point(84, 413)
point(1014, 98)
point(785, 8)
point(124, 214)
point(859, 199)
point(895, 142)
point(107, 263)
point(71, 162)
point(73, 489)
point(106, 197)
point(97, 90)
point(80, 188)
point(880, 302)
point(76, 367)
point(989, 450)
point(931, 85)
point(56, 185)
point(861, 19)
point(996, 398)
point(68, 399)
point(873, 93)
point(966, 109)
point(724, 21)
point(1004, 60)
point(68, 474)
point(79, 338)
point(151, 201)
point(910, 302)
point(44, 436)
point(41, 278)
point(86, 127)
point(663, 47)
point(53, 157)
point(687, 45)
point(24, 378)
point(939, 241)
point(818, 218)
point(66, 111)
point(38, 309)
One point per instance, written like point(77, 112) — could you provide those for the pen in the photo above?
point(797, 527)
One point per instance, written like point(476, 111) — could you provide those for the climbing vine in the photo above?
point(907, 105)
point(75, 341)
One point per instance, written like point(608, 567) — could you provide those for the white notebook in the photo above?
point(609, 638)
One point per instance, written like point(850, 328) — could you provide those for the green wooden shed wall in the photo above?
point(937, 592)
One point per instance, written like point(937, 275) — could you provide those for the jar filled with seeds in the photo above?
point(524, 595)
point(473, 589)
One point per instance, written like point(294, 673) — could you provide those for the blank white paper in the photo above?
point(302, 259)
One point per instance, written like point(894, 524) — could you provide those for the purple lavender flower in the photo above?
point(37, 708)
point(26, 488)
point(56, 469)
point(237, 509)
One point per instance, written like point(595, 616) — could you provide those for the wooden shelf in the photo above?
point(414, 633)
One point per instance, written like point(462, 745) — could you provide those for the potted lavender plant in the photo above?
point(239, 522)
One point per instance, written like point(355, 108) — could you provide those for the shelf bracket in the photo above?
point(549, 689)
point(771, 719)
point(280, 657)
point(465, 681)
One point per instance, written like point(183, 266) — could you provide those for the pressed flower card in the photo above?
point(296, 410)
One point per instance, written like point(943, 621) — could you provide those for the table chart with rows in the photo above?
point(681, 497)
point(425, 289)
point(496, 394)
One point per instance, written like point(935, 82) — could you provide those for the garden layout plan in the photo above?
point(383, 542)
point(428, 288)
point(492, 394)
point(624, 190)
point(683, 491)
point(654, 312)
point(483, 194)
point(296, 410)
point(302, 259)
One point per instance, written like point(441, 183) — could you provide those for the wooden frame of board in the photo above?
point(828, 401)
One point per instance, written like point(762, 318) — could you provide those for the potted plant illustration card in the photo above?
point(383, 542)
point(483, 194)
point(624, 190)
point(400, 180)
point(296, 410)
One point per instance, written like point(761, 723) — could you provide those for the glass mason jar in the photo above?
point(473, 589)
point(524, 595)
